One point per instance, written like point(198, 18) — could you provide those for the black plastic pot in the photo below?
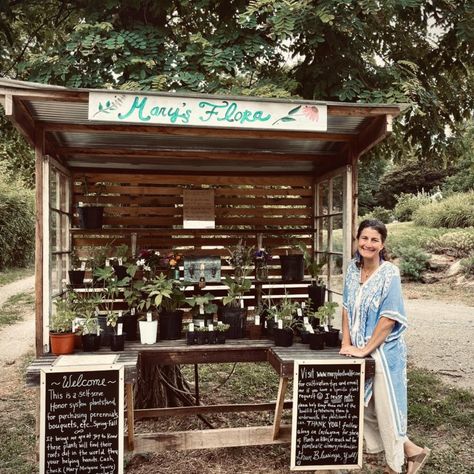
point(332, 338)
point(317, 295)
point(220, 337)
point(316, 341)
point(315, 323)
point(292, 268)
point(283, 337)
point(270, 327)
point(90, 342)
point(120, 271)
point(76, 277)
point(117, 342)
point(105, 331)
point(90, 217)
point(170, 324)
point(201, 337)
point(212, 337)
point(130, 326)
point(236, 318)
point(191, 338)
point(304, 337)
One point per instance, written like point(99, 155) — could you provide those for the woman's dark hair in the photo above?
point(379, 226)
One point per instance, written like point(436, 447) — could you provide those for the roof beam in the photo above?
point(373, 134)
point(193, 154)
point(17, 114)
point(349, 110)
point(196, 131)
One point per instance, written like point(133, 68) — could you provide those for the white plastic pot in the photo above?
point(148, 331)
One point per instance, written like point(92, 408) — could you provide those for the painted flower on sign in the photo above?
point(311, 112)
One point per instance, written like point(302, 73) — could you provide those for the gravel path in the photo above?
point(20, 286)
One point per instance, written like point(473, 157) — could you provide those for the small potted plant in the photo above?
point(97, 260)
point(191, 334)
point(202, 308)
point(76, 273)
point(317, 289)
point(133, 295)
point(221, 331)
point(61, 334)
point(119, 262)
point(91, 214)
point(233, 312)
point(115, 321)
point(325, 314)
point(202, 335)
point(90, 332)
point(283, 314)
point(171, 316)
point(148, 263)
point(262, 258)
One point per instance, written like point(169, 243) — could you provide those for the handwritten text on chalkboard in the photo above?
point(328, 415)
point(82, 422)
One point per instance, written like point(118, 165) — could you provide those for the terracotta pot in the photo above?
point(62, 344)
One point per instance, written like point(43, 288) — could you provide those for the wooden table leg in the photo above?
point(130, 416)
point(279, 406)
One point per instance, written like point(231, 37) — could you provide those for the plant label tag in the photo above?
point(83, 265)
point(257, 320)
point(220, 323)
point(306, 321)
point(120, 261)
point(326, 329)
point(310, 329)
point(201, 324)
point(303, 305)
point(211, 327)
point(132, 311)
point(97, 330)
point(275, 318)
point(191, 327)
point(119, 329)
point(280, 324)
point(242, 304)
point(201, 309)
point(120, 313)
point(149, 316)
point(299, 312)
point(107, 262)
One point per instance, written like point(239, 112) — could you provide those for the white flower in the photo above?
point(157, 253)
point(147, 268)
point(141, 262)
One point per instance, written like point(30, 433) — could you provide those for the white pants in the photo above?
point(380, 433)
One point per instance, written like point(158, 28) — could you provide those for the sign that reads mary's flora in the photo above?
point(206, 112)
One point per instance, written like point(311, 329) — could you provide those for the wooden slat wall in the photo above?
point(151, 205)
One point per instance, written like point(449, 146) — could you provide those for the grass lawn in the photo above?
point(9, 275)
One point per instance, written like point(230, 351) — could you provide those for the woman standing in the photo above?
point(373, 322)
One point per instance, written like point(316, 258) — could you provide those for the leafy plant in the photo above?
point(222, 327)
point(204, 301)
point(457, 244)
point(176, 299)
point(100, 189)
point(158, 289)
point(63, 316)
point(121, 255)
point(285, 312)
point(413, 262)
point(133, 293)
point(313, 267)
point(379, 213)
point(326, 312)
point(407, 204)
point(236, 289)
point(468, 265)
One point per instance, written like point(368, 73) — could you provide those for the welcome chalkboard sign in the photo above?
point(328, 413)
point(82, 420)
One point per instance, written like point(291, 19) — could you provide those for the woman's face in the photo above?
point(370, 243)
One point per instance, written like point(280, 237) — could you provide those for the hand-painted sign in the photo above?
point(206, 112)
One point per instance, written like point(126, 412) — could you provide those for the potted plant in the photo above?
point(76, 272)
point(133, 295)
point(202, 335)
point(283, 315)
point(97, 260)
point(221, 331)
point(148, 329)
point(148, 263)
point(90, 332)
point(317, 289)
point(117, 339)
point(262, 258)
point(171, 262)
point(61, 335)
point(233, 312)
point(158, 289)
point(203, 308)
point(292, 265)
point(191, 337)
point(91, 215)
point(171, 316)
point(325, 314)
point(119, 261)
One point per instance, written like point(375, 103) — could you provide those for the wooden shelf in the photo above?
point(158, 231)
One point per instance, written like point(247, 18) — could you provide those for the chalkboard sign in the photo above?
point(328, 414)
point(82, 420)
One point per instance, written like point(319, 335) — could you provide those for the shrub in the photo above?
point(379, 213)
point(457, 244)
point(17, 222)
point(468, 265)
point(456, 210)
point(407, 204)
point(413, 262)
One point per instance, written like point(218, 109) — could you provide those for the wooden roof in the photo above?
point(79, 143)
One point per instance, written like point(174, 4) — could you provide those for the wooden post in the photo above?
point(130, 416)
point(279, 406)
point(355, 191)
point(347, 218)
point(39, 147)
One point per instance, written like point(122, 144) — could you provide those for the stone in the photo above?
point(455, 269)
point(440, 263)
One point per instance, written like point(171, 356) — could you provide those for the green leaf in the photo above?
point(288, 119)
point(293, 111)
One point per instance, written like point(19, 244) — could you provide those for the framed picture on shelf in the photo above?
point(196, 268)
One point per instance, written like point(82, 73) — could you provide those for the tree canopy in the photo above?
point(418, 52)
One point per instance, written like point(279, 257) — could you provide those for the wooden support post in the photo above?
point(130, 416)
point(279, 406)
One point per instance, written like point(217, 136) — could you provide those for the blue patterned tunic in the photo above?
point(380, 295)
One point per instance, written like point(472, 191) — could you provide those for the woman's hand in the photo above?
point(352, 351)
